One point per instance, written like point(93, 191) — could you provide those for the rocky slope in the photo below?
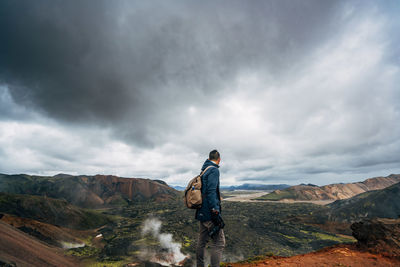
point(383, 203)
point(332, 191)
point(88, 191)
point(52, 211)
point(53, 235)
point(20, 249)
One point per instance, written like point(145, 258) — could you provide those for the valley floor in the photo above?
point(245, 196)
point(250, 196)
point(339, 255)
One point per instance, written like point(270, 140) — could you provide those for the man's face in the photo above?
point(219, 160)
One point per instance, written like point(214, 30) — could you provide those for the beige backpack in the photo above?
point(193, 198)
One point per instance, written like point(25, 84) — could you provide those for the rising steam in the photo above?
point(169, 252)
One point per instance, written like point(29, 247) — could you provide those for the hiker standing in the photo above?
point(209, 211)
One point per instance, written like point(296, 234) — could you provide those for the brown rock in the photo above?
point(378, 235)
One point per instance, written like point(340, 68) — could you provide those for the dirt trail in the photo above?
point(24, 250)
point(340, 255)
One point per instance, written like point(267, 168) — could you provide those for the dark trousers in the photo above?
point(216, 247)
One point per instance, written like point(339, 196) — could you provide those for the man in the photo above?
point(210, 208)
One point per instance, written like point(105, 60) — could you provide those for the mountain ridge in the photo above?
point(88, 191)
point(335, 191)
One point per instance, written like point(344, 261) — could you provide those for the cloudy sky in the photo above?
point(287, 91)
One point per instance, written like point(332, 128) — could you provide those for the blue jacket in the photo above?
point(209, 191)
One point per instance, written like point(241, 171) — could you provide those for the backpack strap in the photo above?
point(201, 174)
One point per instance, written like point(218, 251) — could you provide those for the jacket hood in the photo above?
point(208, 163)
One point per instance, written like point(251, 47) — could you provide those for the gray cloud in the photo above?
point(133, 65)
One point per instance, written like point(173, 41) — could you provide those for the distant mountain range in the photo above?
point(88, 191)
point(332, 191)
point(246, 187)
point(178, 187)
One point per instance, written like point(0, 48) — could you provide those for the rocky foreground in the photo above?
point(378, 235)
point(378, 245)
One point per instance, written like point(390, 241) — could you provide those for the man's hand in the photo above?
point(214, 216)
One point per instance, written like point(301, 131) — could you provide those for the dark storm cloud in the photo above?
point(8, 109)
point(135, 66)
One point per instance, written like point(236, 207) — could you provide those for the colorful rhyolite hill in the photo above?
point(88, 191)
point(332, 191)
